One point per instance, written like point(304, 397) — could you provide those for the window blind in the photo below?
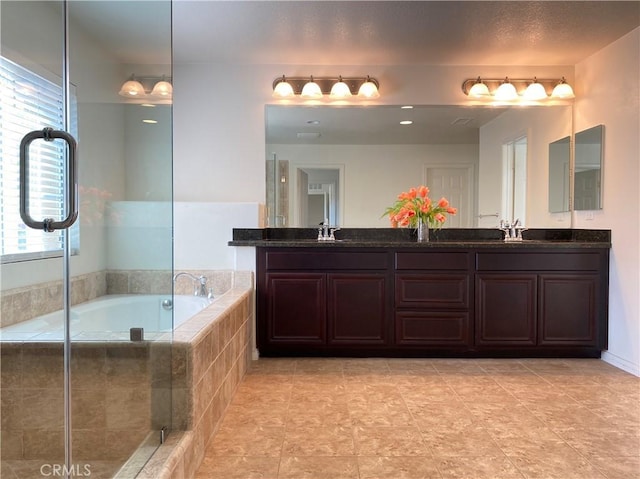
point(30, 102)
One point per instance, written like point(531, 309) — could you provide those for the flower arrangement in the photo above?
point(414, 207)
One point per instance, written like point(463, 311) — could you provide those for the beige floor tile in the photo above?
point(380, 413)
point(488, 467)
point(430, 418)
point(318, 414)
point(318, 468)
point(319, 392)
point(318, 441)
point(258, 414)
point(247, 441)
point(420, 394)
point(561, 463)
point(223, 467)
point(597, 442)
point(618, 467)
point(471, 441)
point(378, 467)
point(390, 441)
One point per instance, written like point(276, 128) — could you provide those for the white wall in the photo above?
point(607, 91)
point(374, 174)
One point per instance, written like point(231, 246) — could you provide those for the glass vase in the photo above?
point(423, 231)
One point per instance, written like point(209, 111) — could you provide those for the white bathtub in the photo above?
point(110, 317)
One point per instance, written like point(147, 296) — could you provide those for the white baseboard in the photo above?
point(621, 363)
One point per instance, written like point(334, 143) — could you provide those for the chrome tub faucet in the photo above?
point(199, 284)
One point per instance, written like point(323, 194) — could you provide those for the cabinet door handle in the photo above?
point(49, 224)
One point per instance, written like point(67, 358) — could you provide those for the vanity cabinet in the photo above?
point(432, 299)
point(439, 300)
point(321, 302)
point(544, 300)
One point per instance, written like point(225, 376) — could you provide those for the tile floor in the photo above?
point(429, 418)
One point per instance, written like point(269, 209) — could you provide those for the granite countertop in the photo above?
point(406, 238)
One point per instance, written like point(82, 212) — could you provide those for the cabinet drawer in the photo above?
point(432, 261)
point(552, 261)
point(436, 291)
point(305, 260)
point(432, 328)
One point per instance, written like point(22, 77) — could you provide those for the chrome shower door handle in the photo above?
point(49, 224)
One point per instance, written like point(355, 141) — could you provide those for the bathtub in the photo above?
point(111, 318)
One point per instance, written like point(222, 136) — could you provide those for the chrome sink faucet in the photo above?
point(325, 232)
point(512, 231)
point(199, 284)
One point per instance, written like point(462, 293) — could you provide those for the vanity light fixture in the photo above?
point(517, 89)
point(335, 88)
point(145, 87)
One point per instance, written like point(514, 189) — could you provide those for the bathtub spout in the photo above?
point(199, 284)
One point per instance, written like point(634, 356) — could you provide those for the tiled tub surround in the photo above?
point(211, 353)
point(22, 304)
point(122, 390)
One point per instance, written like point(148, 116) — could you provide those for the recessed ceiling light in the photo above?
point(406, 122)
point(152, 122)
point(148, 105)
point(406, 107)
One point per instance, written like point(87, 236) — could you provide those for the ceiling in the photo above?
point(359, 33)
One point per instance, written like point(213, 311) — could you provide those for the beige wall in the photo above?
point(608, 91)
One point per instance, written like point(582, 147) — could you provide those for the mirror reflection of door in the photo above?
point(316, 198)
point(514, 180)
point(453, 183)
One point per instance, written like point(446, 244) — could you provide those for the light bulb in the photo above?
point(535, 91)
point(132, 88)
point(311, 90)
point(283, 89)
point(479, 89)
point(506, 91)
point(563, 90)
point(340, 90)
point(368, 90)
point(163, 89)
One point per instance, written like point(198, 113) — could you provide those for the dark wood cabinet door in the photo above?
point(432, 328)
point(568, 309)
point(357, 309)
point(506, 309)
point(296, 313)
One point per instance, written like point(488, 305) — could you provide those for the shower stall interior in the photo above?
point(77, 404)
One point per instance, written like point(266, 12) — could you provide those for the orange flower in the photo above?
point(415, 205)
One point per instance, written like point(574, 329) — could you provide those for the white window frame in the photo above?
point(32, 101)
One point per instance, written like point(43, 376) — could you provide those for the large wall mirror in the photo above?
point(559, 175)
point(587, 178)
point(348, 163)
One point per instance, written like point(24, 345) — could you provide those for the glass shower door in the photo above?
point(100, 409)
